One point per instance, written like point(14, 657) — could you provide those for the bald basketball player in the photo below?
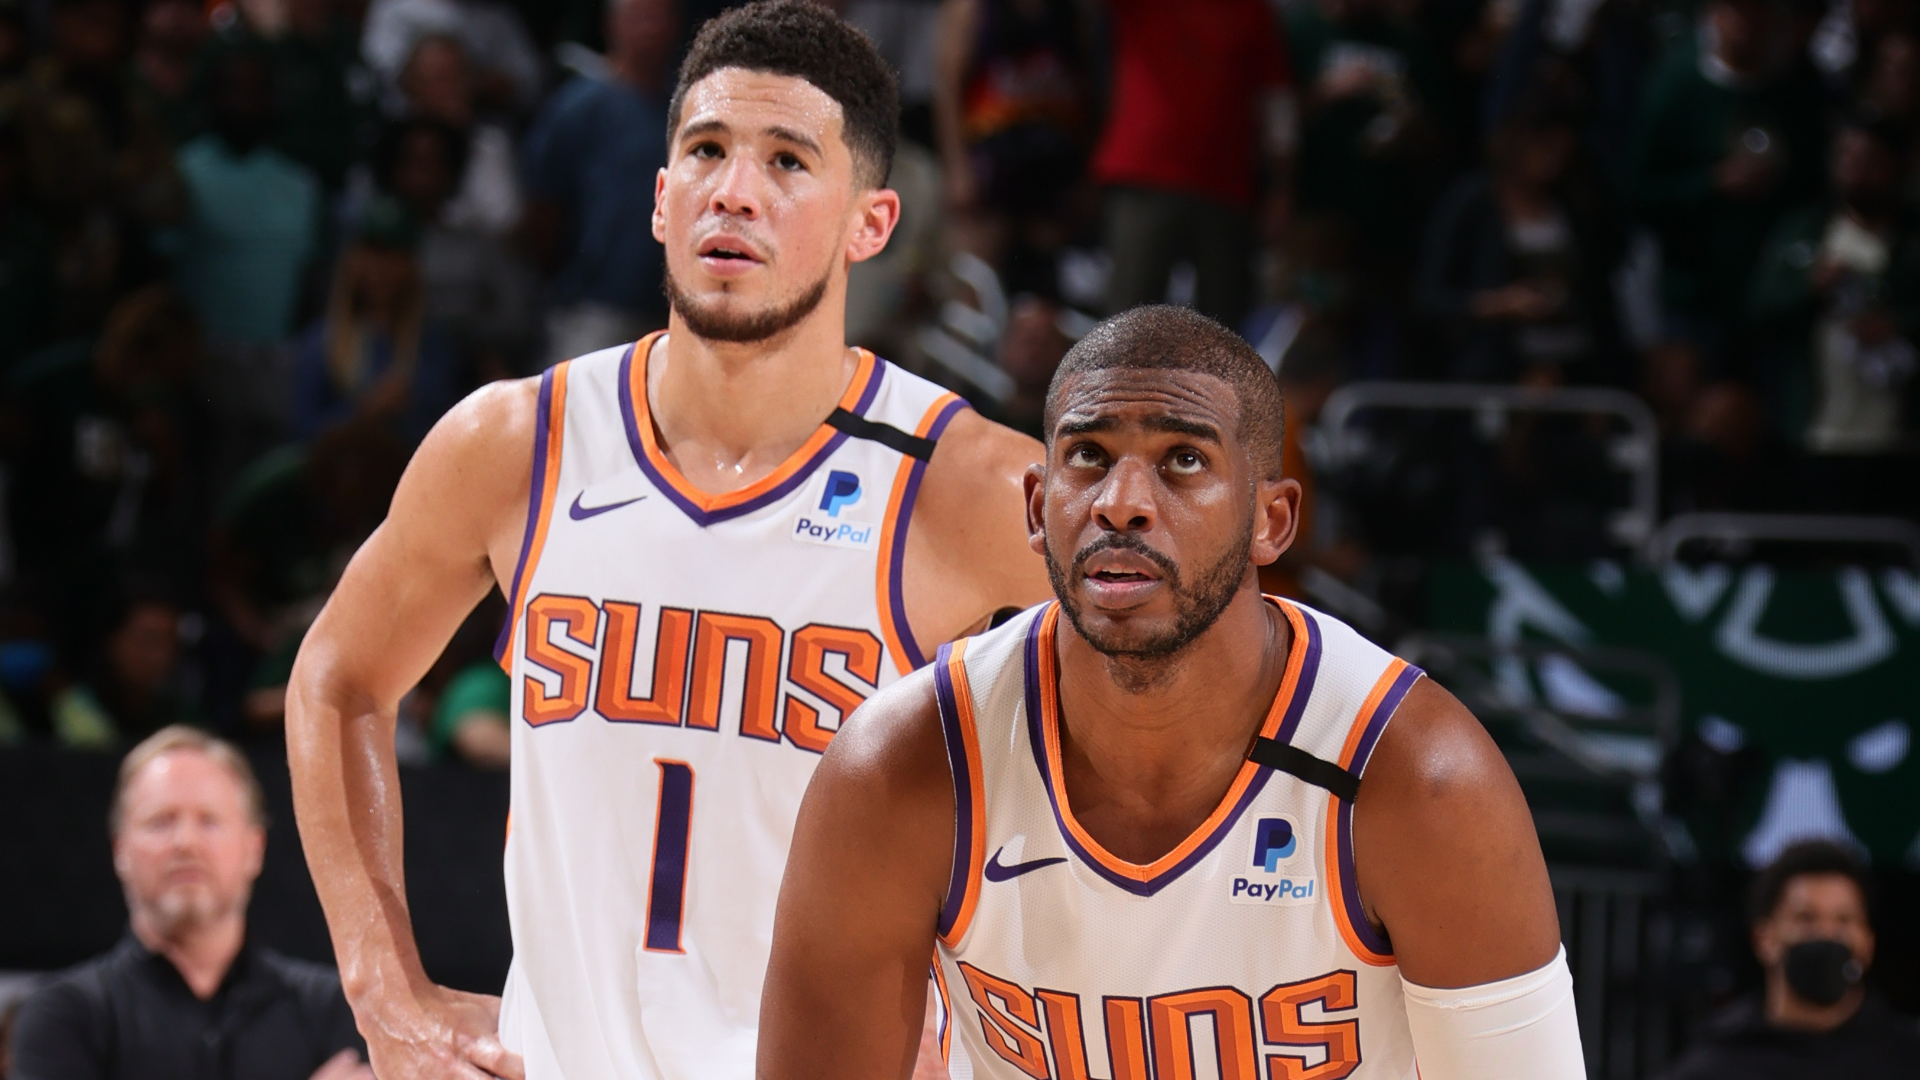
point(716, 542)
point(1167, 827)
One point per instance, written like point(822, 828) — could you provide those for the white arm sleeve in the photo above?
point(1523, 1028)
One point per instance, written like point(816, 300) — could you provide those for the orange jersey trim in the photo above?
point(973, 830)
point(1050, 729)
point(886, 575)
point(796, 461)
point(1339, 887)
point(540, 511)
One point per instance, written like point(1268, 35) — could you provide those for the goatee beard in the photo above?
point(1200, 605)
point(708, 324)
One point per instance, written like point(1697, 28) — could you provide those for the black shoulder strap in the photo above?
point(1319, 772)
point(885, 434)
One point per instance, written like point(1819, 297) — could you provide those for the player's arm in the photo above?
point(1448, 864)
point(453, 520)
point(846, 990)
point(967, 552)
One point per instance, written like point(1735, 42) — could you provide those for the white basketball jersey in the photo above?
point(680, 661)
point(1242, 954)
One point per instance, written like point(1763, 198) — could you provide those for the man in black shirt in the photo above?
point(183, 996)
point(1816, 1016)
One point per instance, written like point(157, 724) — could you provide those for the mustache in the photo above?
point(1126, 542)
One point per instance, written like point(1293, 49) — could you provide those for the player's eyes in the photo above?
point(707, 151)
point(788, 162)
point(1085, 456)
point(1185, 462)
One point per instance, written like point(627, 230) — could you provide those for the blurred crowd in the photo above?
point(250, 250)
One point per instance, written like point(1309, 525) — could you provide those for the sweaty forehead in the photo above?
point(1126, 396)
point(750, 102)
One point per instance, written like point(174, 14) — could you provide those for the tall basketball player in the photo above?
point(716, 542)
point(1167, 827)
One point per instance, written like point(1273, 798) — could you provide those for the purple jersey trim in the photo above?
point(541, 433)
point(704, 518)
point(963, 792)
point(897, 558)
point(1369, 736)
point(1309, 665)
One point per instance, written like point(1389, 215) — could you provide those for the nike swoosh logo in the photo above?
point(995, 870)
point(582, 513)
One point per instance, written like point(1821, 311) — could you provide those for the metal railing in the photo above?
point(1637, 451)
point(1738, 530)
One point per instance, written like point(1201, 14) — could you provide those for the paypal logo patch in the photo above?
point(1275, 841)
point(1272, 841)
point(843, 489)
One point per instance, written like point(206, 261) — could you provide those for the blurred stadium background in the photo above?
point(1597, 320)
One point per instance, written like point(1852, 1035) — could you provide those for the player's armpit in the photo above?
point(1445, 852)
point(845, 995)
point(967, 552)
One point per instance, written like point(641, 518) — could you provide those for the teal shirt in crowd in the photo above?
point(254, 225)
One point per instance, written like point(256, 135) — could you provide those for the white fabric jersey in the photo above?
point(1242, 954)
point(679, 662)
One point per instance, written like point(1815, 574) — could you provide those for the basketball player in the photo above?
point(732, 534)
point(1167, 799)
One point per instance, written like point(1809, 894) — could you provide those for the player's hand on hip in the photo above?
point(440, 1035)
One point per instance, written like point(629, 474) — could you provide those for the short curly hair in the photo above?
point(804, 39)
point(1805, 859)
point(1162, 337)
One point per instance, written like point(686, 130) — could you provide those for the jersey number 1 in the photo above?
point(673, 826)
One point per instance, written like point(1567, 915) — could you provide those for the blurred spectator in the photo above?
point(1725, 457)
point(1368, 82)
point(1030, 350)
point(111, 458)
point(255, 225)
point(99, 161)
point(1813, 935)
point(467, 694)
point(589, 223)
point(1010, 109)
point(1312, 370)
point(1199, 102)
point(438, 86)
point(1725, 144)
point(171, 35)
point(474, 283)
point(184, 994)
point(15, 43)
point(1514, 271)
point(506, 62)
point(134, 688)
point(323, 94)
point(1841, 282)
point(375, 355)
point(281, 538)
point(33, 682)
point(27, 273)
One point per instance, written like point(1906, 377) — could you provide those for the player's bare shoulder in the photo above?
point(967, 548)
point(471, 475)
point(893, 744)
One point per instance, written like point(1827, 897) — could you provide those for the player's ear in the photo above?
point(659, 213)
point(1276, 517)
point(878, 212)
point(1036, 484)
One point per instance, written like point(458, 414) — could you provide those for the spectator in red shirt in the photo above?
point(1199, 88)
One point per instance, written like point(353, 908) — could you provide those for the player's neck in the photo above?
point(728, 414)
point(1152, 760)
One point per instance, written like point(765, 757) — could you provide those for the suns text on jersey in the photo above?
point(1044, 1033)
point(592, 659)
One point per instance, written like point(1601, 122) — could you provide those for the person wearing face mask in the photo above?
point(1815, 1015)
point(184, 994)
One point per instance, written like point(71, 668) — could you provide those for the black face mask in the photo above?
point(1821, 972)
